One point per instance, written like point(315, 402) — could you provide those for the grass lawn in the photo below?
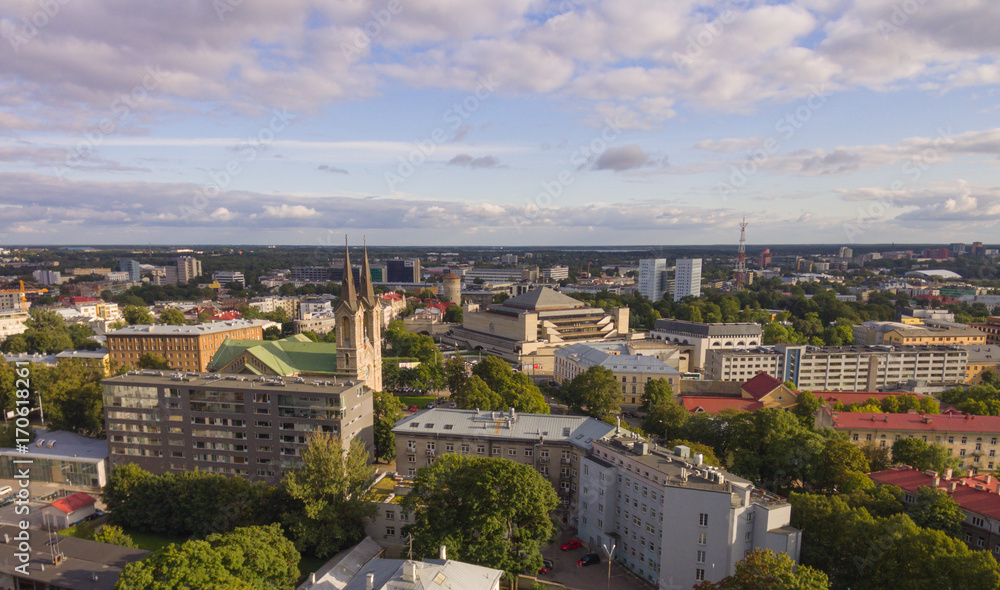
point(84, 530)
point(147, 541)
point(420, 401)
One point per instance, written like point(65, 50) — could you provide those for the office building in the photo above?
point(403, 270)
point(254, 427)
point(47, 277)
point(224, 277)
point(632, 371)
point(687, 278)
point(187, 348)
point(703, 337)
point(311, 274)
point(653, 278)
point(496, 275)
point(842, 368)
point(672, 520)
point(132, 267)
point(62, 458)
point(555, 273)
point(509, 259)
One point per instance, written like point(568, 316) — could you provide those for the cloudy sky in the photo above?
point(518, 122)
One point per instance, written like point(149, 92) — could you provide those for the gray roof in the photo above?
point(983, 353)
point(27, 357)
point(165, 330)
point(578, 430)
point(588, 356)
point(65, 445)
point(543, 298)
point(705, 330)
point(100, 353)
point(343, 567)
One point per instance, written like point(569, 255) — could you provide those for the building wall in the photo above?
point(186, 352)
point(522, 327)
point(11, 323)
point(687, 278)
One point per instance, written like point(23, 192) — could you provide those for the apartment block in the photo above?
point(224, 277)
point(842, 368)
point(687, 278)
point(672, 520)
point(254, 427)
point(916, 336)
point(188, 268)
point(991, 327)
point(12, 321)
point(653, 278)
point(631, 368)
point(188, 348)
point(556, 273)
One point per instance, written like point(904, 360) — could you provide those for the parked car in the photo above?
point(574, 544)
point(430, 406)
point(589, 559)
point(547, 566)
point(413, 409)
point(452, 405)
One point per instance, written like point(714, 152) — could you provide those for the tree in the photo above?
point(879, 458)
point(834, 464)
point(152, 360)
point(594, 392)
point(260, 555)
point(134, 314)
point(113, 535)
point(328, 491)
point(764, 569)
point(654, 392)
point(805, 408)
point(453, 314)
point(455, 373)
point(491, 512)
point(172, 317)
point(923, 456)
point(516, 391)
point(191, 565)
point(935, 509)
point(666, 419)
point(475, 394)
point(272, 333)
point(387, 411)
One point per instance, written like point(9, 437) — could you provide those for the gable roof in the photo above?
point(289, 356)
point(543, 298)
point(761, 385)
point(915, 422)
point(71, 504)
point(971, 494)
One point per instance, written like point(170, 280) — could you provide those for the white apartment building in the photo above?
point(47, 277)
point(9, 301)
point(687, 278)
point(653, 278)
point(188, 268)
point(224, 277)
point(12, 322)
point(842, 368)
point(673, 520)
point(100, 310)
point(556, 273)
point(117, 276)
point(704, 337)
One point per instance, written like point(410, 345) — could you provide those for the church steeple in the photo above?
point(347, 292)
point(367, 289)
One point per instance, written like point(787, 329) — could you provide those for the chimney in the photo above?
point(443, 553)
point(370, 582)
point(513, 415)
point(409, 571)
point(699, 458)
point(947, 473)
point(618, 424)
point(937, 480)
point(952, 486)
point(312, 578)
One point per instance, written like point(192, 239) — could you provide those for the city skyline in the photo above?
point(526, 124)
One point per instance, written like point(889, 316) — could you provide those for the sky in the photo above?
point(488, 122)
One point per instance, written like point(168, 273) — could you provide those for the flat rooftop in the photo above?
point(59, 444)
point(196, 330)
point(228, 381)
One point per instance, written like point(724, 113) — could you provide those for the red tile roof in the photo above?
point(714, 405)
point(915, 422)
point(392, 296)
point(761, 385)
point(228, 315)
point(980, 501)
point(71, 504)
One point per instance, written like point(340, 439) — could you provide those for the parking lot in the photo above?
point(591, 577)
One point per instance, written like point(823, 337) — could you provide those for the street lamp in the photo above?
point(609, 553)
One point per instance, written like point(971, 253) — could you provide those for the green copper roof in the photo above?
point(289, 356)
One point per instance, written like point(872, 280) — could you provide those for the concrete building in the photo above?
point(873, 333)
point(527, 329)
point(66, 512)
point(63, 458)
point(402, 270)
point(99, 310)
point(495, 275)
point(12, 321)
point(982, 357)
point(705, 337)
point(633, 371)
point(99, 359)
point(552, 444)
point(320, 325)
point(452, 288)
point(253, 427)
point(672, 520)
point(555, 273)
point(991, 327)
point(11, 301)
point(188, 268)
point(842, 368)
point(188, 348)
point(132, 267)
point(653, 278)
point(509, 259)
point(687, 278)
point(224, 277)
point(47, 277)
point(311, 307)
point(972, 439)
point(928, 336)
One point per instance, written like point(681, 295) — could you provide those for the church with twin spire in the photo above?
point(359, 326)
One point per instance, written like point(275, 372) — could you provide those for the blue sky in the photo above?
point(517, 123)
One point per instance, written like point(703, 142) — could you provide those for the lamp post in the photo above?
point(609, 553)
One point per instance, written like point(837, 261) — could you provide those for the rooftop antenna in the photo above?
point(741, 258)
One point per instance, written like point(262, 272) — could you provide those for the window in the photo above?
point(749, 516)
point(701, 557)
point(481, 449)
point(496, 451)
point(529, 452)
point(411, 459)
point(699, 574)
point(449, 447)
point(977, 521)
point(512, 452)
point(465, 448)
point(748, 537)
point(390, 531)
point(703, 519)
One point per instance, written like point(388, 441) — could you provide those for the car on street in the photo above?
point(547, 566)
point(589, 559)
point(569, 545)
point(452, 405)
point(430, 406)
point(413, 409)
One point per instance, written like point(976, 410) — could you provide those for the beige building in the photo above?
point(923, 336)
point(188, 348)
point(704, 337)
point(12, 321)
point(982, 357)
point(632, 368)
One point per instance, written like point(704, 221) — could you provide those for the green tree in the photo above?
point(113, 535)
point(328, 490)
point(655, 391)
point(152, 360)
point(260, 555)
point(935, 509)
point(454, 314)
point(387, 411)
point(491, 512)
point(193, 564)
point(805, 408)
point(455, 373)
point(172, 317)
point(834, 464)
point(763, 569)
point(666, 419)
point(134, 314)
point(879, 458)
point(594, 392)
point(272, 333)
point(475, 394)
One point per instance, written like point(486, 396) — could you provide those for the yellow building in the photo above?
point(631, 370)
point(93, 358)
point(187, 348)
point(985, 357)
point(934, 336)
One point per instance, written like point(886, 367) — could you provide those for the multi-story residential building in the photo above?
point(118, 277)
point(846, 252)
point(671, 519)
point(552, 444)
point(705, 337)
point(991, 327)
point(972, 439)
point(872, 333)
point(494, 275)
point(653, 278)
point(188, 348)
point(224, 277)
point(98, 359)
point(509, 259)
point(983, 357)
point(11, 300)
point(47, 277)
point(271, 304)
point(132, 267)
point(12, 321)
point(310, 274)
point(923, 336)
point(314, 306)
point(633, 371)
point(842, 368)
point(555, 273)
point(254, 427)
point(188, 268)
point(99, 310)
point(687, 278)
point(403, 270)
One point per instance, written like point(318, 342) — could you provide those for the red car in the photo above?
point(413, 409)
point(574, 544)
point(547, 566)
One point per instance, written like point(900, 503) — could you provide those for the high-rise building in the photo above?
point(846, 252)
point(653, 278)
point(957, 249)
point(687, 278)
point(188, 268)
point(765, 258)
point(132, 267)
point(977, 249)
point(403, 270)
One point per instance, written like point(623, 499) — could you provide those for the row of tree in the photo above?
point(493, 385)
point(48, 333)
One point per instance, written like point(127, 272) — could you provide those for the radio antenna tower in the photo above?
point(741, 258)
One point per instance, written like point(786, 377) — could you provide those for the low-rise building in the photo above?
point(633, 371)
point(98, 359)
point(670, 518)
point(63, 458)
point(12, 322)
point(66, 512)
point(224, 277)
point(187, 348)
point(991, 327)
point(705, 337)
point(982, 357)
point(927, 336)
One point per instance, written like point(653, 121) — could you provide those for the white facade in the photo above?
point(11, 323)
point(48, 277)
point(187, 268)
point(228, 276)
point(653, 278)
point(687, 278)
point(705, 337)
point(556, 273)
point(116, 276)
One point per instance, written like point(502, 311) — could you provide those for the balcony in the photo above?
point(431, 452)
point(565, 461)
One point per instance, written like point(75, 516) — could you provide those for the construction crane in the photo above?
point(21, 291)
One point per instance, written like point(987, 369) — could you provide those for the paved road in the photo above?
point(593, 577)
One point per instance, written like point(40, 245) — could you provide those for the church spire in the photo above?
point(347, 292)
point(367, 289)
